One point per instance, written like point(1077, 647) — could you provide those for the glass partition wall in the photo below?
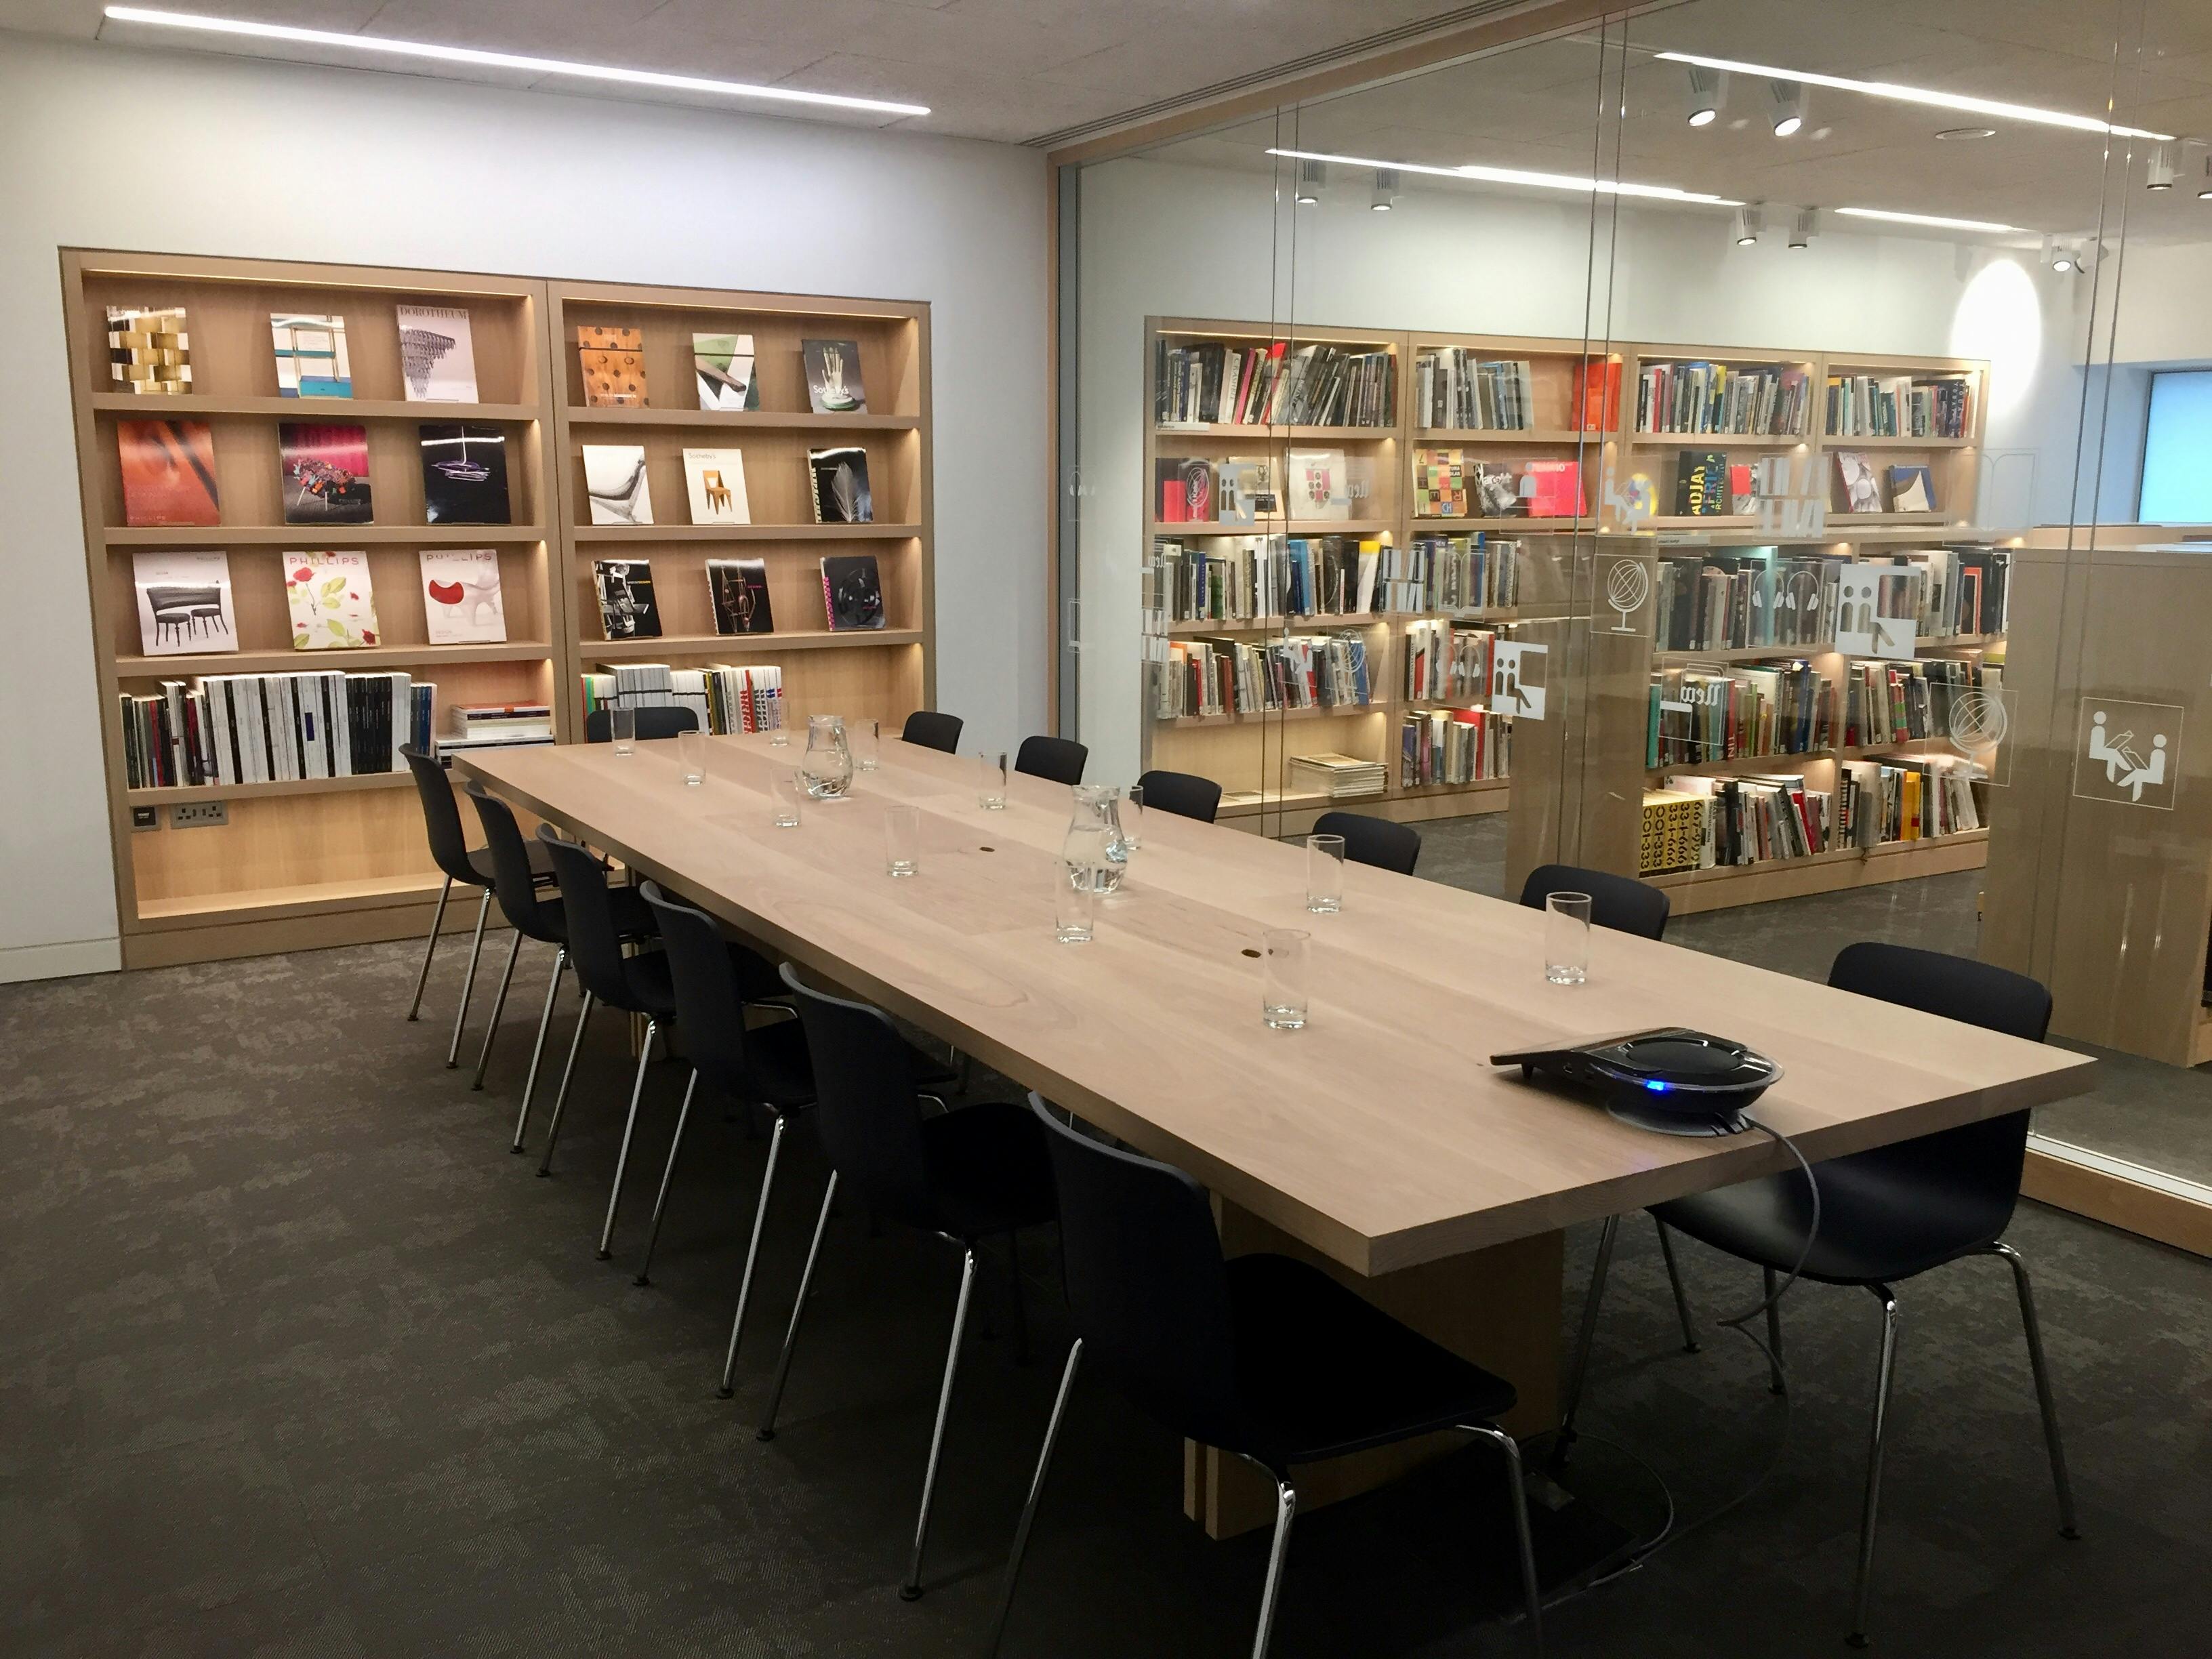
point(1706, 446)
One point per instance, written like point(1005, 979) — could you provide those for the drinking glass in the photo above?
point(1132, 818)
point(901, 840)
point(1283, 998)
point(691, 749)
point(622, 727)
point(788, 792)
point(779, 736)
point(1324, 874)
point(1567, 938)
point(991, 781)
point(1074, 908)
point(867, 739)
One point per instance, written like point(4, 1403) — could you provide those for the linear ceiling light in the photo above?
point(1515, 176)
point(2048, 117)
point(507, 60)
point(1936, 219)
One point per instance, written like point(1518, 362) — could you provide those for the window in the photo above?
point(2177, 474)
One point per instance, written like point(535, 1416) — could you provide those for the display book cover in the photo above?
point(738, 588)
point(462, 603)
point(1911, 490)
point(715, 482)
point(722, 365)
point(148, 351)
point(168, 473)
point(1702, 484)
point(1440, 483)
point(614, 485)
point(1860, 483)
point(833, 377)
point(852, 591)
point(332, 601)
point(183, 604)
point(464, 473)
point(437, 355)
point(841, 486)
point(613, 363)
point(311, 355)
point(326, 471)
point(626, 608)
point(1317, 484)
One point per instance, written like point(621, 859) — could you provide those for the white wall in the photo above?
point(103, 147)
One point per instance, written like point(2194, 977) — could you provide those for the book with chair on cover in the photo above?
point(326, 473)
point(714, 481)
point(852, 591)
point(183, 604)
point(462, 603)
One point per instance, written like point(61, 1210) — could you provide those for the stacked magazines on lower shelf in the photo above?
point(1254, 677)
point(272, 728)
point(1701, 824)
point(727, 699)
point(1454, 745)
point(1340, 777)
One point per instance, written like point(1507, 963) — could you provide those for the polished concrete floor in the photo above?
point(296, 1359)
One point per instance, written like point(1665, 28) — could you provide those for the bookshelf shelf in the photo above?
point(1839, 441)
point(188, 793)
point(1488, 435)
point(299, 899)
point(1820, 648)
point(1274, 527)
point(1309, 624)
point(1717, 769)
point(1341, 711)
point(1526, 527)
point(745, 533)
point(747, 644)
point(308, 662)
point(320, 536)
point(1694, 891)
point(757, 420)
point(1238, 431)
point(1719, 440)
point(191, 405)
point(1434, 791)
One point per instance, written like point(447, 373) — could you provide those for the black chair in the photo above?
point(450, 849)
point(963, 1176)
point(1181, 794)
point(1889, 1214)
point(659, 720)
point(1378, 842)
point(1060, 759)
point(1264, 1357)
point(599, 919)
point(1620, 902)
point(927, 728)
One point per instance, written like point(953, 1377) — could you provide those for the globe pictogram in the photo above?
point(1627, 585)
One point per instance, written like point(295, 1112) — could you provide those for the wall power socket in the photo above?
point(199, 814)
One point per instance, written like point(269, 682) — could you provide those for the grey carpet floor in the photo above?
point(297, 1361)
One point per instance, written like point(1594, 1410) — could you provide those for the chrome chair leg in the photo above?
point(798, 1309)
point(1674, 1280)
point(1578, 1374)
point(2043, 1396)
point(1530, 1591)
point(630, 1130)
point(1036, 1490)
point(911, 1590)
point(752, 1256)
point(1286, 1509)
point(468, 984)
point(1776, 1384)
point(430, 949)
point(498, 1007)
point(561, 1097)
point(667, 1174)
point(1864, 1587)
point(538, 1049)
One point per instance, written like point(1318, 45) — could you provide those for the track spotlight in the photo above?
point(1386, 190)
point(2059, 257)
point(1313, 179)
point(1788, 106)
point(1749, 221)
point(1807, 227)
point(1708, 93)
point(2204, 182)
point(2161, 169)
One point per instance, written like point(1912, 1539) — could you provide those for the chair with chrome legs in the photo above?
point(600, 919)
point(1264, 1357)
point(929, 728)
point(1183, 793)
point(1886, 1215)
point(1061, 760)
point(766, 1067)
point(965, 1176)
point(472, 867)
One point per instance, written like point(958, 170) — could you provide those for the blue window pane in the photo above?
point(2177, 475)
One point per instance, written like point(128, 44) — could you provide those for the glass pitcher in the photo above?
point(1096, 852)
point(827, 767)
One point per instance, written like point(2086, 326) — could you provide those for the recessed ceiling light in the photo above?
point(1475, 173)
point(1935, 219)
point(475, 58)
point(1965, 134)
point(1904, 95)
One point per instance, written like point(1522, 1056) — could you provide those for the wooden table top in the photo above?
point(1379, 1135)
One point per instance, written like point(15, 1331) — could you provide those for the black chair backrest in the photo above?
point(865, 1106)
point(594, 943)
point(512, 878)
point(1146, 1283)
point(1378, 842)
point(927, 728)
point(1620, 902)
point(709, 1009)
point(1983, 1160)
point(1060, 759)
point(1181, 794)
point(441, 818)
point(659, 720)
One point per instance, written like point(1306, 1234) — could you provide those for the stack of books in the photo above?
point(496, 725)
point(1339, 777)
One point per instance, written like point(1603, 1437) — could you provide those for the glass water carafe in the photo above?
point(827, 766)
point(1094, 851)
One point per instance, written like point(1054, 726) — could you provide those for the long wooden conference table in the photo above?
point(1377, 1141)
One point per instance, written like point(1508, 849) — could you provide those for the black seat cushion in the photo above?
point(541, 863)
point(1881, 1220)
point(988, 1168)
point(1322, 1372)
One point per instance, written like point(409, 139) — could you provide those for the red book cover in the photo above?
point(1173, 508)
point(1558, 489)
point(1597, 395)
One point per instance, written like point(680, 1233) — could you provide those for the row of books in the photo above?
point(1693, 718)
point(1452, 573)
point(1720, 601)
point(1449, 662)
point(727, 698)
point(1906, 702)
point(1225, 677)
point(630, 603)
point(612, 359)
point(618, 489)
point(1233, 579)
point(149, 351)
point(1898, 406)
point(186, 607)
point(1242, 488)
point(1213, 383)
point(1697, 823)
point(272, 728)
point(1703, 397)
point(1454, 745)
point(1454, 387)
point(1447, 484)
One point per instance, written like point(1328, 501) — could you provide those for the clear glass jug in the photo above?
point(1094, 851)
point(827, 766)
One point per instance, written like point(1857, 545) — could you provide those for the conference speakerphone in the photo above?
point(1672, 1080)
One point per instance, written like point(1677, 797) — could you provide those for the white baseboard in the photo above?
point(19, 963)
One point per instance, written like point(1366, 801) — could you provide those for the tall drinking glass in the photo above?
point(867, 739)
point(788, 792)
point(901, 840)
point(1074, 907)
point(1567, 938)
point(991, 781)
point(1324, 874)
point(691, 751)
point(1284, 995)
point(622, 727)
point(1132, 818)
